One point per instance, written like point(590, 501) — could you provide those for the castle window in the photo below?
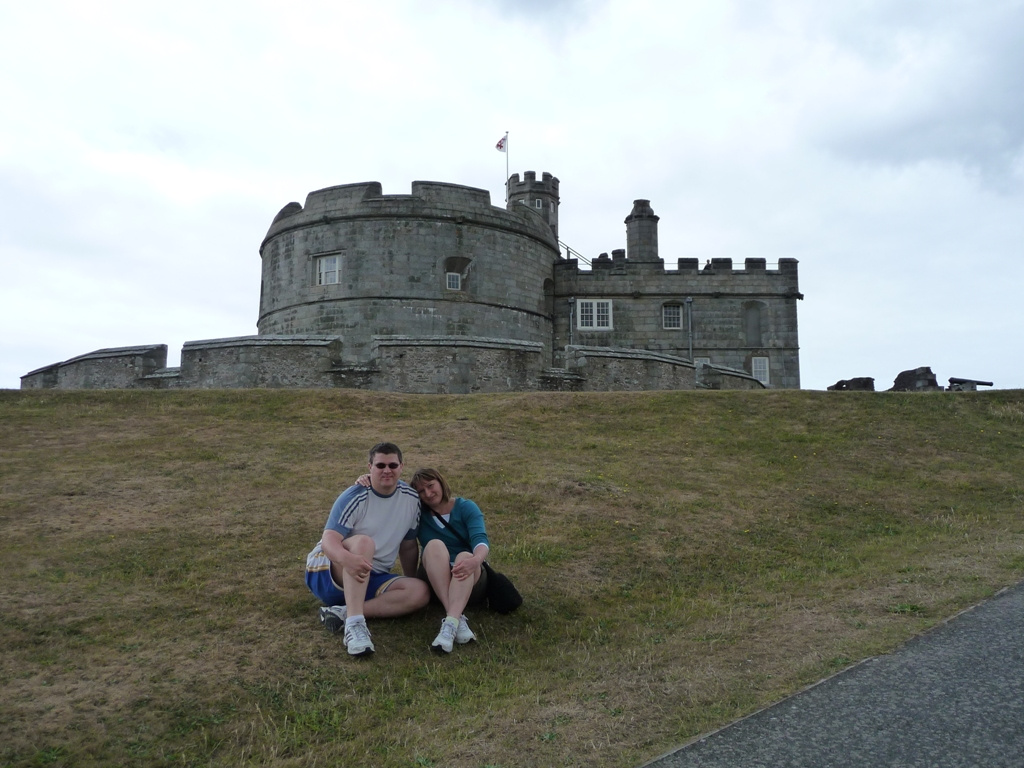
point(328, 270)
point(456, 273)
point(759, 369)
point(539, 204)
point(672, 316)
point(753, 317)
point(702, 361)
point(595, 314)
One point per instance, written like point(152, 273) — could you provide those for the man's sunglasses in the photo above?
point(392, 465)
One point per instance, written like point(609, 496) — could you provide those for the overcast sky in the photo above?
point(146, 147)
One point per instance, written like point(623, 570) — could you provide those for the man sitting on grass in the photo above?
point(349, 569)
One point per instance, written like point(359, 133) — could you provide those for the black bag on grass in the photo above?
point(502, 595)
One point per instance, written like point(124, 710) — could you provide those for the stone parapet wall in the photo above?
point(456, 365)
point(41, 378)
point(114, 368)
point(619, 275)
point(609, 369)
point(302, 361)
point(419, 365)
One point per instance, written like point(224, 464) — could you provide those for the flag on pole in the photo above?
point(502, 144)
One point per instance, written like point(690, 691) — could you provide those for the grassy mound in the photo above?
point(685, 557)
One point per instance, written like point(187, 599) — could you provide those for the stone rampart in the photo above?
point(456, 364)
point(420, 365)
point(301, 361)
point(114, 368)
point(610, 369)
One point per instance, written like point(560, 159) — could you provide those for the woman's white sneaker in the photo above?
point(446, 637)
point(464, 634)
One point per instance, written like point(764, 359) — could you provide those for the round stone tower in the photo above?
point(541, 196)
point(441, 262)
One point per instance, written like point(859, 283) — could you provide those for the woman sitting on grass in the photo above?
point(453, 570)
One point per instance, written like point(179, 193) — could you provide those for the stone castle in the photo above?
point(439, 291)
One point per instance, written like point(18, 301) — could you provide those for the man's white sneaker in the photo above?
point(357, 639)
point(446, 637)
point(464, 634)
point(332, 617)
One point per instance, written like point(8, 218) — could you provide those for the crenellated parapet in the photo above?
point(619, 274)
point(540, 196)
point(428, 200)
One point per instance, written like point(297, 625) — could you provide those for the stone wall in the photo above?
point(395, 252)
point(301, 361)
point(607, 369)
point(457, 365)
point(420, 365)
point(114, 368)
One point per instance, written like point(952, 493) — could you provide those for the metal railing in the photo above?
point(570, 253)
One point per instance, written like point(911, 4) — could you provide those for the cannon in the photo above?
point(966, 385)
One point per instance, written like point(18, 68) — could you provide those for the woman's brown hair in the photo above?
point(427, 474)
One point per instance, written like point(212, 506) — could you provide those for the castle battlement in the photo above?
point(428, 200)
point(453, 195)
point(715, 272)
point(541, 197)
point(529, 183)
point(750, 266)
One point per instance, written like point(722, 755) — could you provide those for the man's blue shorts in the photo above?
point(322, 585)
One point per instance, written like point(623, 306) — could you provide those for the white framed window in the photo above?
point(702, 361)
point(759, 369)
point(328, 270)
point(595, 314)
point(456, 274)
point(539, 204)
point(672, 316)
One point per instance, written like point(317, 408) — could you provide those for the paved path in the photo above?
point(952, 698)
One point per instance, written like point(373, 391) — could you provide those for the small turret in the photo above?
point(642, 232)
point(541, 196)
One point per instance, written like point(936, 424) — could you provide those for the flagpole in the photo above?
point(506, 168)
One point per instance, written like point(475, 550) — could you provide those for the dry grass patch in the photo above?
point(686, 558)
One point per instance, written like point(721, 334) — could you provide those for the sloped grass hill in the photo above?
point(686, 558)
